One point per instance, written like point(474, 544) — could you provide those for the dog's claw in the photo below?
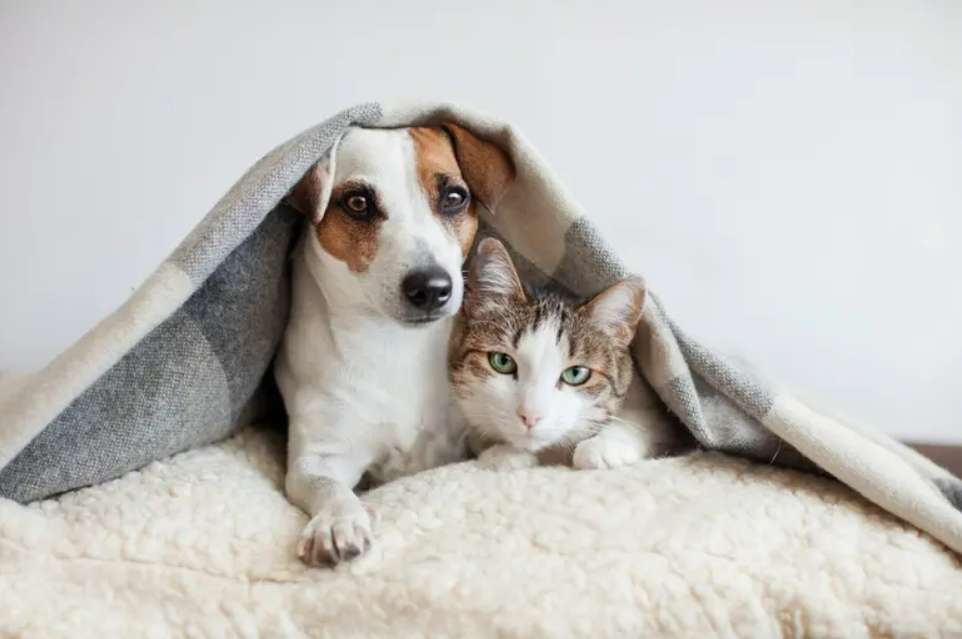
point(337, 534)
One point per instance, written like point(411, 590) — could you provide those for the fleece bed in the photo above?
point(706, 545)
point(787, 522)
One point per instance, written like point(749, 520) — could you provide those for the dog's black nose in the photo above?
point(428, 289)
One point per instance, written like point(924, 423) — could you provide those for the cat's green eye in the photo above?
point(576, 375)
point(502, 363)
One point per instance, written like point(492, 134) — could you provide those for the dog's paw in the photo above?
point(601, 452)
point(340, 532)
point(501, 457)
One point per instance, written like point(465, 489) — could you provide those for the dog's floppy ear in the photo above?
point(312, 193)
point(486, 167)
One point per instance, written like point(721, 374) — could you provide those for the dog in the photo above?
point(376, 281)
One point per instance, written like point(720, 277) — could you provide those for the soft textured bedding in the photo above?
point(201, 545)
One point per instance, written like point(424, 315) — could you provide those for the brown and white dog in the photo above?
point(376, 281)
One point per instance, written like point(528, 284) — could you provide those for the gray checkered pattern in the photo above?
point(186, 379)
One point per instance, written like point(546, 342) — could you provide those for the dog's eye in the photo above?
point(357, 203)
point(453, 200)
point(358, 206)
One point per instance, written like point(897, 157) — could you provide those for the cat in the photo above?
point(534, 372)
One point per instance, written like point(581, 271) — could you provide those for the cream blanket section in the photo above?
point(202, 545)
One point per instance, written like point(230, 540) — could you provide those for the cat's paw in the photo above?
point(339, 532)
point(501, 457)
point(599, 453)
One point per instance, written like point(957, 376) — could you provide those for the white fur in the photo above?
point(364, 392)
point(643, 429)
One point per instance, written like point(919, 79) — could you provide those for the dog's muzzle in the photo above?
point(427, 289)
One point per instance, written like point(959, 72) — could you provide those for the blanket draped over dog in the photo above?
point(182, 362)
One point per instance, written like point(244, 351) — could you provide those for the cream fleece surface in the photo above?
point(202, 545)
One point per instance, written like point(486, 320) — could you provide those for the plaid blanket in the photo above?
point(184, 361)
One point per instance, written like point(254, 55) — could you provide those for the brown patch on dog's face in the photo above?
point(351, 240)
point(346, 238)
point(440, 177)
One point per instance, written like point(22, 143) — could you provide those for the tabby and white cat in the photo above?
point(535, 372)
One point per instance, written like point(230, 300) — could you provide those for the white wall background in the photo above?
point(788, 175)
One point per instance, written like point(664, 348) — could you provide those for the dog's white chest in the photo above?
point(384, 392)
point(418, 425)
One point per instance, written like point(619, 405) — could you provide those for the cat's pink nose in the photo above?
point(530, 420)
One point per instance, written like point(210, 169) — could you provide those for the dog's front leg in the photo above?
point(340, 526)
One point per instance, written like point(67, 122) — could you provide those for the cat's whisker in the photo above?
point(569, 442)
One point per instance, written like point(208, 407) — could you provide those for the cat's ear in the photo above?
point(618, 308)
point(492, 274)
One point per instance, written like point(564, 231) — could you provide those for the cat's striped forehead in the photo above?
point(548, 314)
point(502, 324)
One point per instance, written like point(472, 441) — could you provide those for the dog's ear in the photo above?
point(486, 167)
point(312, 193)
point(492, 277)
